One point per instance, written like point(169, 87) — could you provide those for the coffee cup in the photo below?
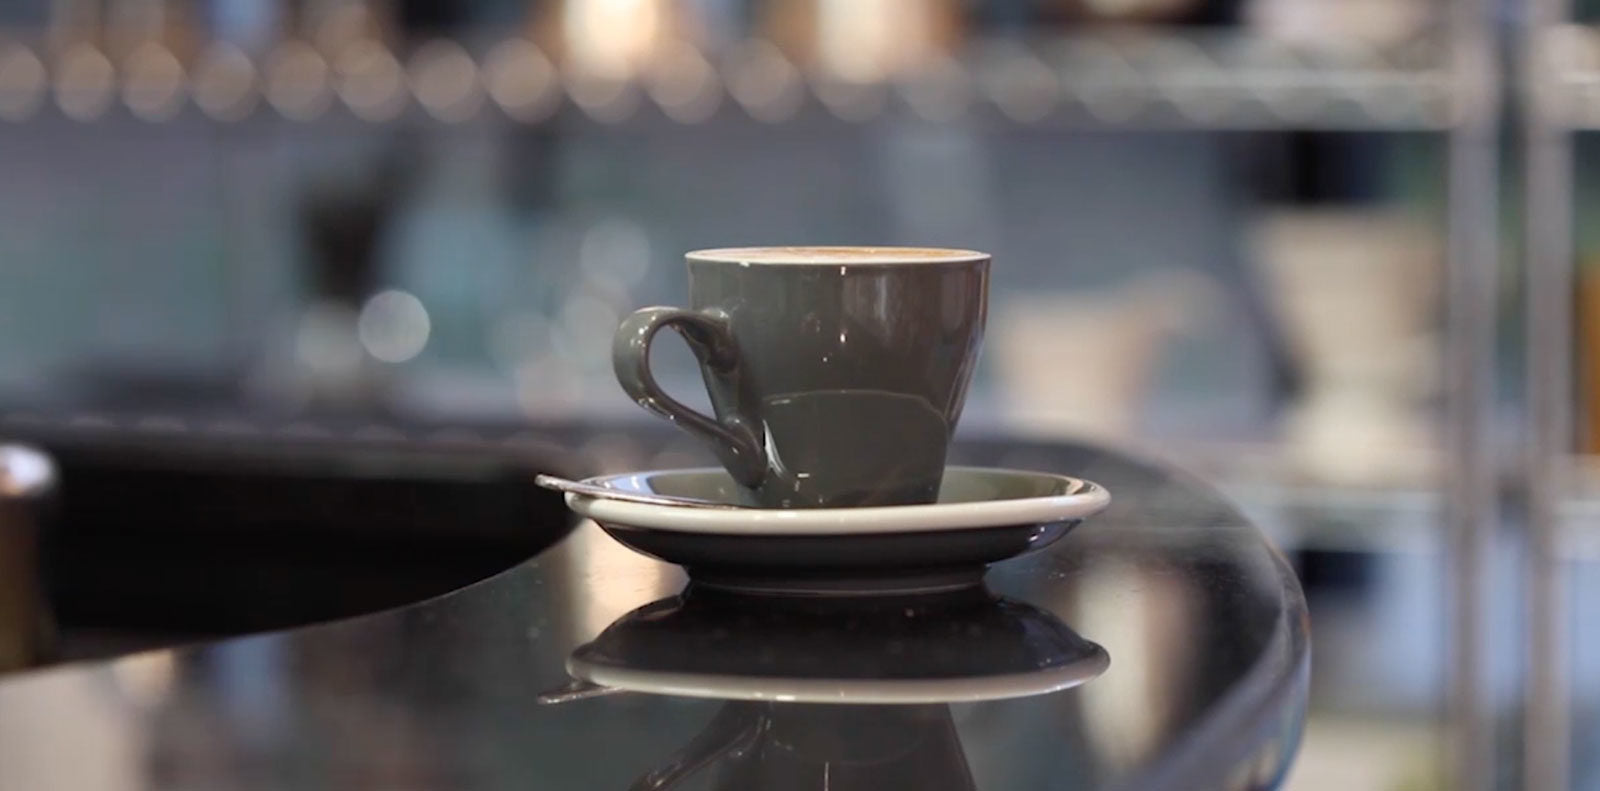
point(836, 374)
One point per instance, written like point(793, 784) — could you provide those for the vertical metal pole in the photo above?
point(1472, 276)
point(1550, 295)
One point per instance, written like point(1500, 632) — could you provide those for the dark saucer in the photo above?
point(840, 565)
point(983, 516)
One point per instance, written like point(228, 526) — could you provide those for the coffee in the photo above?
point(832, 255)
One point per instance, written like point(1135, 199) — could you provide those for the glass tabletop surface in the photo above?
point(1163, 644)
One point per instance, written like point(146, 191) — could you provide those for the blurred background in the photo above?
point(1279, 242)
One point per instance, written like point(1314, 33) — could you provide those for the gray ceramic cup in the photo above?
point(836, 374)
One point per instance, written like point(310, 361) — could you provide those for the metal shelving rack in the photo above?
point(1148, 81)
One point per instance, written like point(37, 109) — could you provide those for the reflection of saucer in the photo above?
point(983, 516)
point(966, 645)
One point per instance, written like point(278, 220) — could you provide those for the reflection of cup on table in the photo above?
point(830, 692)
point(836, 374)
point(805, 746)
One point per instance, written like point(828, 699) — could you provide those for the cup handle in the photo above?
point(734, 437)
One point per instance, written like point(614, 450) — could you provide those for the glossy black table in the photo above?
point(1204, 623)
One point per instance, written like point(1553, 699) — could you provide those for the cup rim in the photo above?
point(835, 255)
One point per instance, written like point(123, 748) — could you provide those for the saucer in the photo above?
point(962, 646)
point(983, 516)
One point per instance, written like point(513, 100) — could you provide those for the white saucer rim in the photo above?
point(964, 689)
point(1090, 499)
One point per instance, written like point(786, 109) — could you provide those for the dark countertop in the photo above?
point(1204, 623)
